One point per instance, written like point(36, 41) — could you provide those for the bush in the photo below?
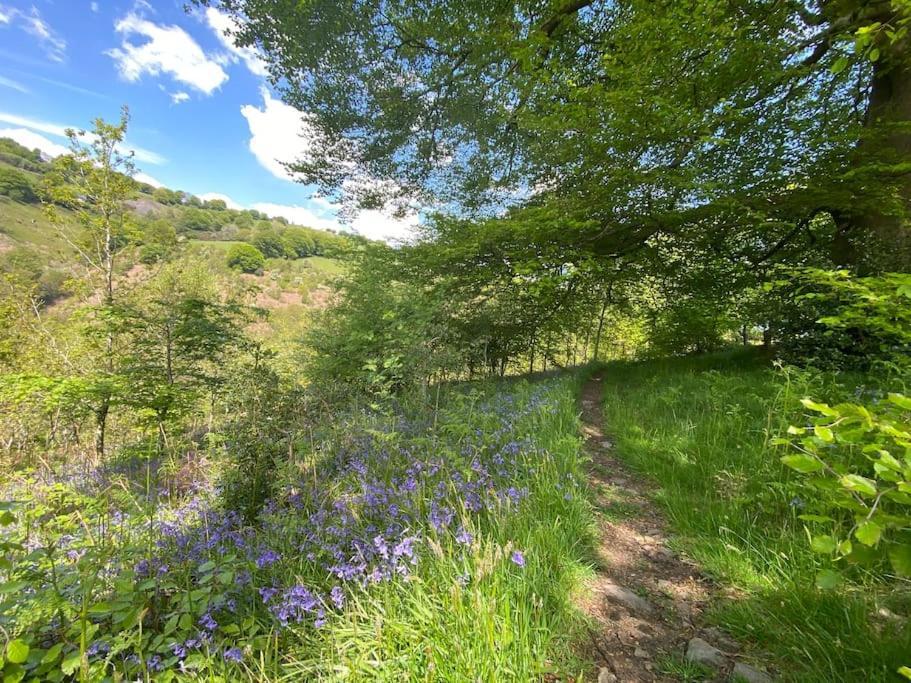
point(17, 186)
point(246, 258)
point(836, 320)
point(270, 244)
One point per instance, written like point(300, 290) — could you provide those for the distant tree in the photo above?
point(195, 219)
point(215, 204)
point(246, 258)
point(17, 185)
point(175, 333)
point(94, 179)
point(270, 243)
point(299, 242)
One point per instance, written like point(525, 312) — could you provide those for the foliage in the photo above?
point(860, 488)
point(442, 543)
point(703, 430)
point(17, 185)
point(839, 320)
point(246, 258)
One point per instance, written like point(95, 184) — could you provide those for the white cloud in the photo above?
point(278, 133)
point(57, 130)
point(147, 179)
point(224, 27)
point(33, 140)
point(94, 7)
point(170, 50)
point(178, 97)
point(32, 23)
point(374, 225)
point(15, 85)
point(299, 215)
point(230, 203)
point(377, 225)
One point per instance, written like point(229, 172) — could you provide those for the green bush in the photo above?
point(17, 186)
point(836, 320)
point(246, 258)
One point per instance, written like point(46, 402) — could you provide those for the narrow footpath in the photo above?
point(646, 600)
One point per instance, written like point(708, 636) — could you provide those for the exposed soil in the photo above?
point(645, 599)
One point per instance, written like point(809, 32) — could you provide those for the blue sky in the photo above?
point(203, 118)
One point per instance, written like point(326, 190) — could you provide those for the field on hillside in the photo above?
point(703, 431)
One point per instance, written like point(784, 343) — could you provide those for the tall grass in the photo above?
point(432, 545)
point(701, 429)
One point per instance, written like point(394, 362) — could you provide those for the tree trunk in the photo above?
point(877, 238)
point(101, 423)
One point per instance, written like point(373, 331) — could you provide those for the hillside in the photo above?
point(164, 224)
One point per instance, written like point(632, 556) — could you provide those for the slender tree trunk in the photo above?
point(600, 326)
point(101, 424)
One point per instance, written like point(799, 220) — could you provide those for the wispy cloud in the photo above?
point(32, 23)
point(14, 85)
point(142, 155)
point(167, 49)
point(178, 97)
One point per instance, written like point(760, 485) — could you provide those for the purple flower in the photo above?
point(153, 663)
point(267, 593)
point(464, 537)
point(207, 622)
point(518, 558)
point(233, 654)
point(338, 596)
point(266, 558)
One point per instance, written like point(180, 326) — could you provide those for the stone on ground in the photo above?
point(701, 652)
point(606, 676)
point(744, 672)
point(626, 597)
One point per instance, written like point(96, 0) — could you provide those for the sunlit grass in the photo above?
point(700, 429)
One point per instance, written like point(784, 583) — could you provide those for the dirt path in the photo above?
point(646, 600)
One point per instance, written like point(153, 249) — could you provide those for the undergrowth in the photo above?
point(703, 428)
point(396, 547)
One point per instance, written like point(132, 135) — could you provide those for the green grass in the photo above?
point(26, 225)
point(700, 428)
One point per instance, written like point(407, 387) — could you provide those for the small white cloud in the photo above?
point(225, 27)
point(33, 140)
point(14, 85)
point(94, 7)
point(33, 24)
point(374, 225)
point(147, 179)
point(57, 130)
point(230, 203)
point(168, 49)
point(278, 134)
point(178, 97)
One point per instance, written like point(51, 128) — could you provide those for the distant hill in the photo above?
point(297, 260)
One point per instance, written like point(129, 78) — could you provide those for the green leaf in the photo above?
point(828, 579)
point(824, 433)
point(53, 654)
point(823, 544)
point(802, 463)
point(855, 482)
point(840, 65)
point(868, 533)
point(815, 518)
point(905, 671)
point(17, 651)
point(901, 400)
point(900, 557)
point(71, 663)
point(823, 408)
point(12, 586)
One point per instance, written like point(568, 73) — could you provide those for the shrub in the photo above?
point(246, 258)
point(270, 244)
point(17, 186)
point(837, 320)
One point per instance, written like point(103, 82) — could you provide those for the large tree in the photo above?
point(738, 121)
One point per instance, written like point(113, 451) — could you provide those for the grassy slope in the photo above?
point(700, 428)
